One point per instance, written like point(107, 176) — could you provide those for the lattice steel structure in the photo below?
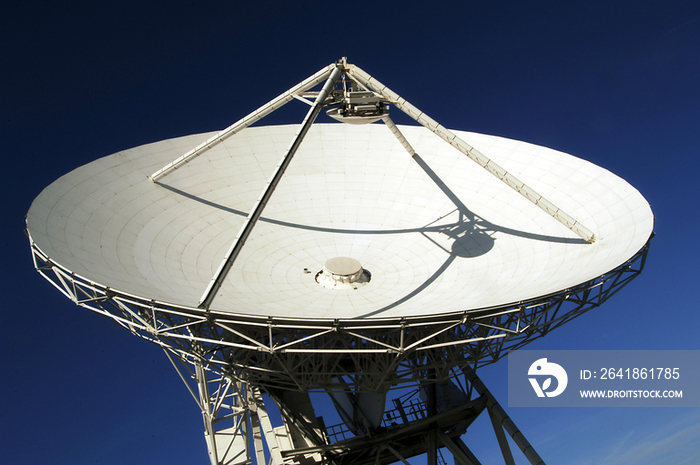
point(306, 355)
point(229, 359)
point(225, 360)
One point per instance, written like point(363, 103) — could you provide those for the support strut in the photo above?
point(257, 210)
point(500, 419)
point(243, 123)
point(478, 157)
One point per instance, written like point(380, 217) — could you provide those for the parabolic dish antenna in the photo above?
point(379, 255)
point(437, 233)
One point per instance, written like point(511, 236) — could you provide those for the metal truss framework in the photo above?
point(228, 359)
point(237, 426)
point(386, 95)
point(371, 355)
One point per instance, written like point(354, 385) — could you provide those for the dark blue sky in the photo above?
point(615, 83)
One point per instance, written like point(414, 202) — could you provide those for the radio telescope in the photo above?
point(378, 265)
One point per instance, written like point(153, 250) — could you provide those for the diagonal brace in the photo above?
point(500, 419)
point(478, 157)
point(243, 123)
point(254, 215)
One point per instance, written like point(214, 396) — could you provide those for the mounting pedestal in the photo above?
point(430, 418)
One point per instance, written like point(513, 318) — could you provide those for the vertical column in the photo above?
point(431, 392)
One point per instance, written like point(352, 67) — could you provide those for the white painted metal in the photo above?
point(243, 123)
point(483, 161)
point(351, 191)
point(271, 438)
point(396, 132)
point(457, 261)
point(227, 445)
point(247, 227)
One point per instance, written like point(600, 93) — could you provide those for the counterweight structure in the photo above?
point(382, 266)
